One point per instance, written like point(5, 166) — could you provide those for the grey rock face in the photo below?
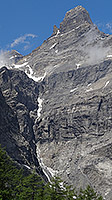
point(18, 112)
point(72, 124)
point(76, 126)
point(74, 19)
point(76, 43)
point(8, 128)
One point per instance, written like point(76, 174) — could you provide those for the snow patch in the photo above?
point(53, 45)
point(11, 57)
point(67, 32)
point(30, 75)
point(78, 65)
point(106, 84)
point(30, 70)
point(109, 56)
point(106, 193)
point(52, 171)
point(41, 163)
point(73, 90)
point(102, 38)
point(40, 101)
point(27, 166)
point(58, 32)
point(61, 34)
point(21, 65)
point(41, 78)
point(49, 172)
point(36, 79)
point(88, 84)
point(77, 27)
point(61, 185)
point(56, 51)
point(90, 89)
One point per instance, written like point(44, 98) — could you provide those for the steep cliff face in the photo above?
point(18, 112)
point(64, 115)
point(8, 128)
point(76, 126)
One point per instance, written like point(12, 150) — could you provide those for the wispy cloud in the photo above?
point(23, 39)
point(3, 58)
point(105, 27)
point(109, 27)
point(96, 54)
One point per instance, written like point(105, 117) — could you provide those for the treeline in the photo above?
point(15, 185)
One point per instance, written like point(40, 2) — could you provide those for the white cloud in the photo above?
point(96, 54)
point(109, 27)
point(3, 58)
point(105, 27)
point(27, 46)
point(23, 39)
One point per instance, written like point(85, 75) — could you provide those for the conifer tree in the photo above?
point(88, 194)
point(14, 185)
point(30, 188)
point(9, 176)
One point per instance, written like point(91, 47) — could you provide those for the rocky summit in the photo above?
point(56, 105)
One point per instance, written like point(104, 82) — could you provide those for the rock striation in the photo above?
point(18, 112)
point(63, 106)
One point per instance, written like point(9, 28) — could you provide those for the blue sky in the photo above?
point(25, 24)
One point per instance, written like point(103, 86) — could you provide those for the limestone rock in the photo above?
point(55, 30)
point(18, 112)
point(64, 109)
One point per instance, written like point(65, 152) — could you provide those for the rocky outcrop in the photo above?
point(64, 116)
point(55, 30)
point(9, 129)
point(77, 18)
point(74, 131)
point(18, 112)
point(77, 42)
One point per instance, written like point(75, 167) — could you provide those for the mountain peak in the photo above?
point(75, 18)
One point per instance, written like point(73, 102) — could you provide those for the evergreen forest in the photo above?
point(16, 184)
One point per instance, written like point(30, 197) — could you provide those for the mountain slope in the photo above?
point(18, 112)
point(75, 44)
point(72, 124)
